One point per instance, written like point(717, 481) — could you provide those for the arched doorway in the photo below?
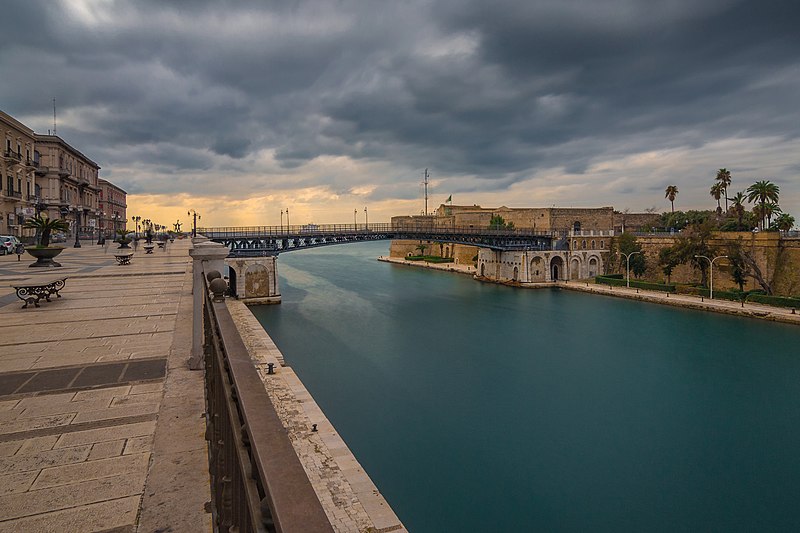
point(556, 268)
point(574, 268)
point(538, 269)
point(592, 267)
point(232, 281)
point(483, 270)
point(516, 274)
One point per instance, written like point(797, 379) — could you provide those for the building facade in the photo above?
point(112, 203)
point(17, 179)
point(67, 184)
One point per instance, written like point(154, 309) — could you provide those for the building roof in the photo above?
point(58, 140)
point(16, 123)
point(102, 181)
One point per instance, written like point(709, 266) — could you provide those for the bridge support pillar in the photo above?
point(254, 280)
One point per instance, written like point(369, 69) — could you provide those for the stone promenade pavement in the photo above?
point(101, 422)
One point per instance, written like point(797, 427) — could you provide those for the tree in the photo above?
point(737, 265)
point(769, 209)
point(627, 245)
point(671, 192)
point(44, 226)
point(498, 222)
point(421, 247)
point(668, 260)
point(738, 207)
point(762, 192)
point(694, 242)
point(716, 192)
point(784, 222)
point(724, 178)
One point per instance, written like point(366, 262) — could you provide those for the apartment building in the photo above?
point(17, 179)
point(113, 207)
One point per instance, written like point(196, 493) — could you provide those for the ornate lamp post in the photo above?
point(136, 220)
point(628, 261)
point(281, 221)
point(366, 219)
point(287, 220)
point(77, 227)
point(100, 233)
point(711, 272)
point(355, 222)
point(192, 213)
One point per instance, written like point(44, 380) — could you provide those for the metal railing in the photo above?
point(257, 481)
point(338, 229)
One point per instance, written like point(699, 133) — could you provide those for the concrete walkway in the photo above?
point(101, 424)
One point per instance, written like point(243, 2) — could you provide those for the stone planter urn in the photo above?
point(44, 256)
point(124, 244)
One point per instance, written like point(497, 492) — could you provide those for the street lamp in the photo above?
point(194, 216)
point(628, 261)
point(287, 220)
point(711, 272)
point(366, 219)
point(281, 221)
point(355, 214)
point(77, 227)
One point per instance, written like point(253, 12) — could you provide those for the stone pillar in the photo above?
point(206, 256)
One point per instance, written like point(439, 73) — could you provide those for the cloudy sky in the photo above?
point(242, 109)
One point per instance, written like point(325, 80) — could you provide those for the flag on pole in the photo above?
point(449, 198)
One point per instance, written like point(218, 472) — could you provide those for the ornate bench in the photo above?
point(32, 290)
point(123, 259)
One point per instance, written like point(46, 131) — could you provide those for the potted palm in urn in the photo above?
point(122, 239)
point(45, 226)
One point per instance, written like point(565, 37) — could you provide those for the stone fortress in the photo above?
point(580, 246)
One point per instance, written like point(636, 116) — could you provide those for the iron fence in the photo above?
point(258, 483)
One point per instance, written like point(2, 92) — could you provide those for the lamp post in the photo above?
point(628, 261)
point(101, 237)
point(192, 213)
point(287, 220)
point(355, 223)
point(366, 219)
point(281, 231)
point(711, 272)
point(77, 227)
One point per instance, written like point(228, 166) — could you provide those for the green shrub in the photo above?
point(429, 258)
point(647, 285)
point(779, 301)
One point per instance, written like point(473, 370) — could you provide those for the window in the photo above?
point(583, 244)
point(602, 244)
point(10, 182)
point(593, 245)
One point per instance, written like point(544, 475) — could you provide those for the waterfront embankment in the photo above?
point(750, 310)
point(350, 499)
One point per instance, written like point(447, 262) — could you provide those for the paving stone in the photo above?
point(115, 466)
point(101, 516)
point(122, 411)
point(142, 370)
point(59, 407)
point(9, 448)
point(141, 388)
point(45, 400)
point(103, 450)
point(100, 375)
point(67, 496)
point(91, 436)
point(29, 424)
point(45, 459)
point(138, 445)
point(147, 397)
point(50, 380)
point(9, 383)
point(17, 482)
point(108, 393)
point(9, 404)
point(38, 444)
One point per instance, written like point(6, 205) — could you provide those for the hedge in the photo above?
point(780, 301)
point(647, 285)
point(429, 258)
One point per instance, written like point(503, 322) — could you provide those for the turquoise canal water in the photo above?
point(477, 407)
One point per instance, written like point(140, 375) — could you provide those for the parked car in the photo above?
point(8, 244)
point(58, 237)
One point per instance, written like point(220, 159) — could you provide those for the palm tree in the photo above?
point(716, 192)
point(784, 222)
point(737, 206)
point(769, 209)
point(44, 226)
point(672, 192)
point(763, 191)
point(724, 178)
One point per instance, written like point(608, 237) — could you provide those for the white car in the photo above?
point(8, 243)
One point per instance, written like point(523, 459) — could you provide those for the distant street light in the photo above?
point(194, 216)
point(711, 273)
point(355, 214)
point(366, 219)
point(281, 231)
point(628, 261)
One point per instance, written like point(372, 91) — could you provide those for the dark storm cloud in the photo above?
point(488, 93)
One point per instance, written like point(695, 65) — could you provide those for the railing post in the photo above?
point(206, 256)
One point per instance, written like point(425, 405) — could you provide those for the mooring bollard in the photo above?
point(270, 368)
point(793, 310)
point(313, 427)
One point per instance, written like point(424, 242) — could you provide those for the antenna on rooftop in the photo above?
point(425, 183)
point(54, 116)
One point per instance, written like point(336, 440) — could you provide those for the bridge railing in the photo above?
point(258, 483)
point(338, 229)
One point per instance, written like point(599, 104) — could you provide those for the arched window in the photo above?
point(576, 226)
point(602, 244)
point(593, 245)
point(583, 244)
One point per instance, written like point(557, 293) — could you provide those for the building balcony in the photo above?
point(13, 194)
point(11, 156)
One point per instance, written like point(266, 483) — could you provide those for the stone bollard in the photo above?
point(206, 256)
